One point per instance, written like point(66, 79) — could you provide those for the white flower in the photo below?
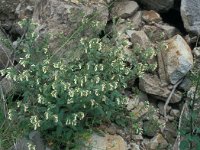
point(55, 118)
point(54, 93)
point(71, 93)
point(96, 67)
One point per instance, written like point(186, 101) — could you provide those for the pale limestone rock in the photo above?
point(177, 58)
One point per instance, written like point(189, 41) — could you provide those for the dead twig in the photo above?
point(169, 98)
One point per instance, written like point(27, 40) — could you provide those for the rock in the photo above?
point(150, 128)
point(157, 142)
point(136, 20)
point(177, 58)
point(133, 146)
point(158, 5)
point(35, 137)
point(161, 108)
point(140, 38)
point(135, 100)
point(124, 9)
point(137, 137)
point(168, 30)
point(111, 142)
point(151, 16)
point(190, 12)
point(185, 84)
point(154, 33)
point(65, 17)
point(5, 56)
point(6, 85)
point(175, 113)
point(196, 52)
point(152, 85)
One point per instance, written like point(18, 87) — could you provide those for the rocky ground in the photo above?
point(164, 88)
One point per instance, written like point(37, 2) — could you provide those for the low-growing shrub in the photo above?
point(64, 100)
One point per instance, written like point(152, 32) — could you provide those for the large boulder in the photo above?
point(177, 58)
point(190, 12)
point(158, 5)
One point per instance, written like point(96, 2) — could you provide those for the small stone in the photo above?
point(185, 84)
point(134, 146)
point(157, 142)
point(111, 142)
point(35, 137)
point(124, 9)
point(150, 128)
point(140, 38)
point(137, 137)
point(6, 85)
point(175, 113)
point(151, 16)
point(196, 52)
point(136, 20)
point(169, 31)
point(161, 108)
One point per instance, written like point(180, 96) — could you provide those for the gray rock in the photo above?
point(35, 137)
point(151, 84)
point(161, 108)
point(157, 142)
point(185, 85)
point(177, 58)
point(136, 19)
point(57, 17)
point(141, 39)
point(169, 31)
point(97, 142)
point(133, 146)
point(175, 113)
point(196, 52)
point(190, 12)
point(6, 85)
point(150, 128)
point(158, 5)
point(5, 56)
point(124, 9)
